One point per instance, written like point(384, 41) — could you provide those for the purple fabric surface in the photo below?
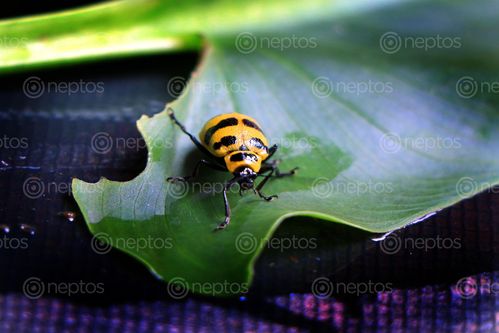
point(426, 309)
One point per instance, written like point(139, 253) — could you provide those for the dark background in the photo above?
point(59, 128)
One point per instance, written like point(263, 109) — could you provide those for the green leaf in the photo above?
point(382, 138)
point(125, 28)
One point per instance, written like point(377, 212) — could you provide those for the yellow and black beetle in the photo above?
point(234, 142)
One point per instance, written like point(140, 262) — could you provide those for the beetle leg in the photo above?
point(272, 165)
point(226, 222)
point(291, 172)
point(266, 198)
point(272, 151)
point(258, 189)
point(273, 168)
point(268, 166)
point(198, 144)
